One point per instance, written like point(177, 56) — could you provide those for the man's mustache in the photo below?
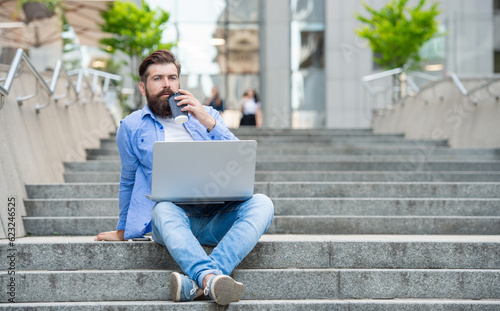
point(167, 91)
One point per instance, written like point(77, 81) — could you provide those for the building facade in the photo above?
point(303, 56)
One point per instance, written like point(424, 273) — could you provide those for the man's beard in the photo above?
point(159, 105)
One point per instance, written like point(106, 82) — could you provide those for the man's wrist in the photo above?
point(210, 128)
point(120, 234)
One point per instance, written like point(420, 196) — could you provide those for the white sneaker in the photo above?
point(224, 290)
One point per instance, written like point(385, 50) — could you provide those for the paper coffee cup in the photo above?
point(178, 115)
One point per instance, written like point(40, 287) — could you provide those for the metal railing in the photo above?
point(77, 88)
point(377, 76)
point(434, 81)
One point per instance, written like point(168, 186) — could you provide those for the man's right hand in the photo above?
point(117, 235)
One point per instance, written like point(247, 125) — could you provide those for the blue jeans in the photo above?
point(234, 227)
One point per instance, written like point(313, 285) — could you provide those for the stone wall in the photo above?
point(35, 145)
point(442, 112)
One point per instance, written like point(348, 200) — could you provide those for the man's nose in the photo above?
point(166, 83)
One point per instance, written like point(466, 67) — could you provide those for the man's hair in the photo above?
point(157, 57)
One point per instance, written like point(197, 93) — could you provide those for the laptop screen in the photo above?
point(203, 171)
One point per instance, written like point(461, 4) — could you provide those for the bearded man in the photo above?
point(233, 227)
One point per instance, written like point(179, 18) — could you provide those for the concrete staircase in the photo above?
point(363, 222)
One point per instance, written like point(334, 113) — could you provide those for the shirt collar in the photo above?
point(146, 111)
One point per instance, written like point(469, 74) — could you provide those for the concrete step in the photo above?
point(314, 135)
point(286, 165)
point(485, 225)
point(481, 225)
point(417, 152)
point(363, 222)
point(372, 158)
point(389, 150)
point(295, 206)
point(60, 226)
point(386, 207)
point(71, 207)
point(373, 176)
point(296, 304)
point(303, 132)
point(262, 284)
point(346, 141)
point(313, 132)
point(296, 190)
point(300, 132)
point(381, 190)
point(98, 177)
point(271, 252)
point(308, 132)
point(329, 141)
point(400, 166)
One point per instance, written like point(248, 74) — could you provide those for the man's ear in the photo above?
point(142, 88)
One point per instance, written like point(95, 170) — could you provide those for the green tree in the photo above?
point(135, 31)
point(397, 32)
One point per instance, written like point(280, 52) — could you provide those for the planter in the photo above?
point(35, 11)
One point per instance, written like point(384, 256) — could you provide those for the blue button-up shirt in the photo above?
point(135, 138)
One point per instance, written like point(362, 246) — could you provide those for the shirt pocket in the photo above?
point(144, 143)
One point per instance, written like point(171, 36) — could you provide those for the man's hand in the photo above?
point(195, 108)
point(117, 235)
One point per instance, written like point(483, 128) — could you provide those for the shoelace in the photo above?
point(193, 290)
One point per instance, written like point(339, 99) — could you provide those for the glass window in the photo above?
point(308, 10)
point(195, 48)
point(217, 45)
point(242, 48)
point(193, 11)
point(243, 11)
point(307, 63)
point(307, 42)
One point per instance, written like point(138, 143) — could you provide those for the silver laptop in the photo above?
point(203, 171)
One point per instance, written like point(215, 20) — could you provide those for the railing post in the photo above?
point(3, 94)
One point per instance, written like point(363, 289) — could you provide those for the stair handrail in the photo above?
point(58, 69)
point(102, 74)
point(21, 58)
point(460, 86)
point(466, 92)
point(83, 77)
point(377, 76)
point(434, 81)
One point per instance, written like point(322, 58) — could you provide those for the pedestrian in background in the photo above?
point(251, 109)
point(215, 101)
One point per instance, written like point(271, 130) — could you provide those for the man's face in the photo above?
point(162, 81)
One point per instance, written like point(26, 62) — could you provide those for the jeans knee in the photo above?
point(158, 208)
point(266, 205)
point(167, 211)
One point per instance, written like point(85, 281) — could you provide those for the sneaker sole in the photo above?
point(175, 286)
point(226, 290)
